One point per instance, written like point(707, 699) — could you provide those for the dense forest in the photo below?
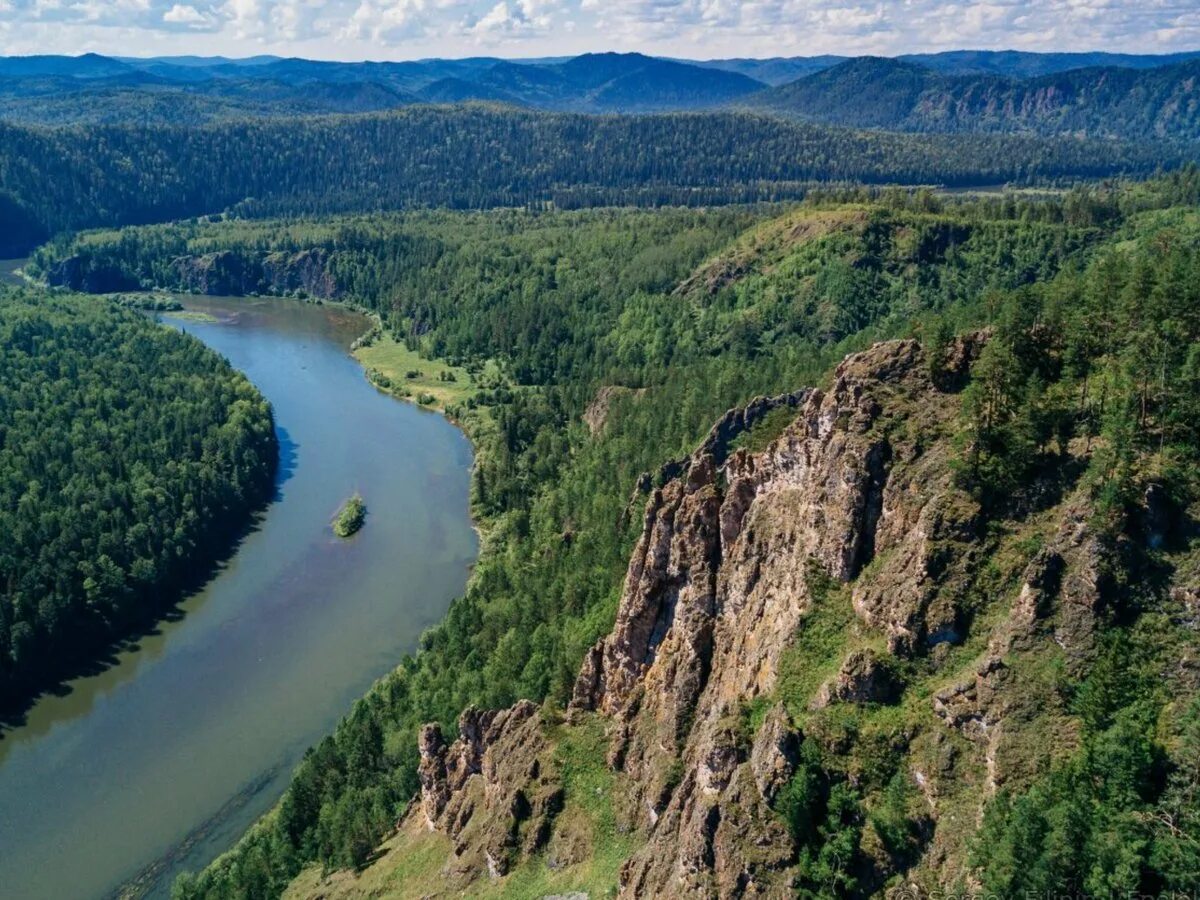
point(116, 175)
point(130, 457)
point(891, 94)
point(1090, 297)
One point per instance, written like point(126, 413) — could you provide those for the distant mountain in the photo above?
point(142, 98)
point(1021, 64)
point(195, 62)
point(459, 90)
point(871, 92)
point(1016, 63)
point(90, 65)
point(1129, 95)
point(775, 71)
point(600, 82)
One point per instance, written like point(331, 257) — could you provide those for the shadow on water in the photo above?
point(103, 653)
point(288, 455)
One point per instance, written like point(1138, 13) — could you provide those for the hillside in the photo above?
point(174, 90)
point(606, 82)
point(60, 90)
point(922, 491)
point(1107, 102)
point(1024, 64)
point(415, 157)
point(830, 671)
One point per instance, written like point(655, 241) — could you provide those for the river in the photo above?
point(161, 761)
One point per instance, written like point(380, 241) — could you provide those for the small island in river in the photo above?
point(350, 517)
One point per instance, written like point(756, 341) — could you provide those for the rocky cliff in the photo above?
point(224, 273)
point(833, 598)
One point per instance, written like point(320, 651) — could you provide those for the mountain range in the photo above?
point(1097, 94)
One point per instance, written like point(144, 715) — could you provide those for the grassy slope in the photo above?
point(585, 854)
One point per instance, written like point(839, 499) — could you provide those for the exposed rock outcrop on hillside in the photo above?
point(737, 551)
point(489, 790)
point(223, 273)
point(719, 585)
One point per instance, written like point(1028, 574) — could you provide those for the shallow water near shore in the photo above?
point(157, 764)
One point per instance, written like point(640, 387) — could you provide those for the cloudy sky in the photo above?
point(408, 29)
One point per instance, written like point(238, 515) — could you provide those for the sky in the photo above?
point(696, 29)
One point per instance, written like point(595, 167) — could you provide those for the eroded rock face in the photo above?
point(734, 550)
point(490, 790)
point(716, 589)
point(774, 754)
point(863, 678)
point(272, 273)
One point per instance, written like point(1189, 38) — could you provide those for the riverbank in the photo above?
point(133, 564)
point(189, 737)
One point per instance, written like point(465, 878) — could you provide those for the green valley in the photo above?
point(601, 475)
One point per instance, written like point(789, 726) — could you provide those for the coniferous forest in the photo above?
point(585, 295)
point(131, 456)
point(416, 157)
point(1087, 382)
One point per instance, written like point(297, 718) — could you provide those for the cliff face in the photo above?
point(708, 688)
point(719, 585)
point(217, 274)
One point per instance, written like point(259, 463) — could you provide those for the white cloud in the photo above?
point(185, 15)
point(519, 19)
point(698, 28)
point(387, 21)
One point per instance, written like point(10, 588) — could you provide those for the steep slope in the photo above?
point(1110, 102)
point(403, 159)
point(1024, 64)
point(824, 666)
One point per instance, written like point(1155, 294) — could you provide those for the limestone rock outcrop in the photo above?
point(737, 549)
point(489, 790)
point(717, 587)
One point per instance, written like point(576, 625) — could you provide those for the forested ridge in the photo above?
point(130, 457)
point(1099, 92)
point(902, 96)
point(56, 179)
point(651, 303)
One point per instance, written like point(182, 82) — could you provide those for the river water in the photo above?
point(160, 762)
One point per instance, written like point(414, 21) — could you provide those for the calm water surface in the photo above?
point(159, 763)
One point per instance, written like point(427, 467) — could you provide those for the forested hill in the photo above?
point(1052, 590)
point(602, 82)
point(130, 457)
point(479, 156)
point(1114, 102)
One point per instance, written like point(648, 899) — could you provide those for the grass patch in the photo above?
point(820, 643)
point(192, 315)
point(393, 367)
point(766, 431)
point(588, 817)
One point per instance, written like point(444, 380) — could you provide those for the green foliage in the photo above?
point(350, 517)
point(1101, 824)
point(566, 303)
point(763, 433)
point(416, 157)
point(129, 453)
point(1104, 356)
